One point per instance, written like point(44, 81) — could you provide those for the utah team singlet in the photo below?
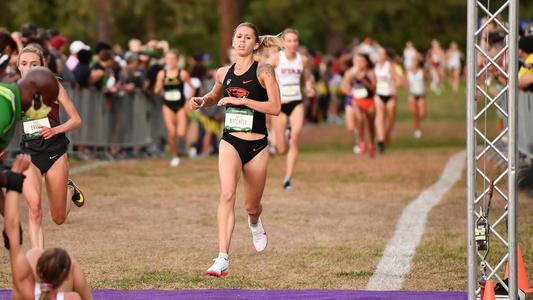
point(384, 83)
point(289, 75)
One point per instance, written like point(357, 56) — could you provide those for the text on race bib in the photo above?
point(239, 119)
point(290, 91)
point(360, 92)
point(383, 88)
point(172, 95)
point(417, 88)
point(31, 127)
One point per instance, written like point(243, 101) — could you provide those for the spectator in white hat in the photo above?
point(75, 47)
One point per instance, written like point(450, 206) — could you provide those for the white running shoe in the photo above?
point(220, 267)
point(418, 134)
point(259, 236)
point(175, 162)
point(356, 149)
point(193, 152)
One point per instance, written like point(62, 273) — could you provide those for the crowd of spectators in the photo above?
point(114, 70)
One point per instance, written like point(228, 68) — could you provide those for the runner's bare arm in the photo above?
point(21, 270)
point(159, 83)
point(372, 83)
point(398, 80)
point(346, 82)
point(267, 78)
point(186, 77)
point(73, 122)
point(214, 95)
point(308, 77)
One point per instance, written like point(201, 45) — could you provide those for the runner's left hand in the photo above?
point(48, 133)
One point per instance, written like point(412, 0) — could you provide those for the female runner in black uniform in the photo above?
point(249, 91)
point(170, 83)
point(44, 139)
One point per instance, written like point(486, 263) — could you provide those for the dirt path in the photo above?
point(149, 226)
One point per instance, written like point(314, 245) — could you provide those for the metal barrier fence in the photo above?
point(524, 132)
point(136, 120)
point(125, 120)
point(525, 124)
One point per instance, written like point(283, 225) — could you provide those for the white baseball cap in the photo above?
point(76, 46)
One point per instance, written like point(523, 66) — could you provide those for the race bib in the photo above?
point(172, 95)
point(239, 119)
point(417, 88)
point(31, 127)
point(360, 93)
point(291, 91)
point(383, 88)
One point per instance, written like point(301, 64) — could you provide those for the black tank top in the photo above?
point(53, 115)
point(357, 85)
point(248, 86)
point(37, 145)
point(171, 85)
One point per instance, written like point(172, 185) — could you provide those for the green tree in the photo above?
point(205, 26)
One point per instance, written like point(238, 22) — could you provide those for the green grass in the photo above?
point(445, 106)
point(163, 279)
point(139, 172)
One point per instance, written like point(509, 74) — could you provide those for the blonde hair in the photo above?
point(35, 49)
point(269, 41)
point(173, 51)
point(290, 30)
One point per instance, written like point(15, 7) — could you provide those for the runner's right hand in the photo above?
point(196, 103)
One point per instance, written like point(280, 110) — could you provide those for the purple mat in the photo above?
point(268, 294)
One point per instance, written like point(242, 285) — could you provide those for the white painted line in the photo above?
point(398, 255)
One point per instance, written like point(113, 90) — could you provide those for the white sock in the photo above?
point(223, 255)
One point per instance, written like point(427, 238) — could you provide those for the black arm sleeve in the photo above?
point(14, 181)
point(6, 239)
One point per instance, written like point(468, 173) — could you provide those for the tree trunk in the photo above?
point(105, 21)
point(334, 41)
point(150, 24)
point(228, 19)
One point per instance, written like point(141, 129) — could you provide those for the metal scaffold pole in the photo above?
point(491, 153)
